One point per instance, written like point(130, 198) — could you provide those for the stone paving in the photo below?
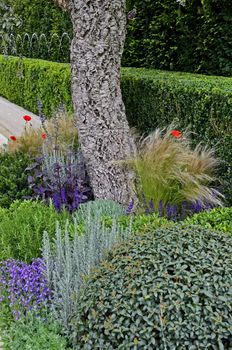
point(11, 121)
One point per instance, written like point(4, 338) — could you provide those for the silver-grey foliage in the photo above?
point(57, 158)
point(106, 207)
point(69, 260)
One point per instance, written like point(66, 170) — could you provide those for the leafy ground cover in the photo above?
point(219, 219)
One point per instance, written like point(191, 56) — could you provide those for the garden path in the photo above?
point(11, 121)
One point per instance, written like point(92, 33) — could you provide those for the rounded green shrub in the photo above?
point(166, 289)
point(13, 178)
point(219, 219)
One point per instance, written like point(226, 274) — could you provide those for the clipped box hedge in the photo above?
point(152, 98)
point(24, 81)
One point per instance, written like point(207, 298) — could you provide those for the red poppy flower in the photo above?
point(13, 138)
point(44, 136)
point(27, 118)
point(176, 133)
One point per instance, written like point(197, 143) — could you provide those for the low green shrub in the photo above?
point(139, 223)
point(13, 178)
point(152, 99)
point(33, 332)
point(168, 289)
point(219, 219)
point(22, 227)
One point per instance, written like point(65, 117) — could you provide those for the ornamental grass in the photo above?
point(59, 130)
point(169, 170)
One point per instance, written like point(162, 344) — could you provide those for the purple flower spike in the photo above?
point(152, 207)
point(130, 207)
point(183, 210)
point(161, 209)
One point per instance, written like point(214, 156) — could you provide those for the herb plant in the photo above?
point(63, 179)
point(22, 227)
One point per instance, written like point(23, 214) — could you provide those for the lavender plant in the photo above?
point(69, 261)
point(23, 287)
point(170, 211)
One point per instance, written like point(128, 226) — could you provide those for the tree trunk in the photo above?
point(99, 34)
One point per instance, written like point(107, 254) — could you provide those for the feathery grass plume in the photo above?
point(29, 142)
point(59, 131)
point(68, 261)
point(169, 170)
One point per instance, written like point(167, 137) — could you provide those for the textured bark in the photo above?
point(99, 34)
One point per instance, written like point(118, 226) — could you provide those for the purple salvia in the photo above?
point(151, 206)
point(175, 213)
point(63, 196)
point(183, 210)
point(56, 201)
point(169, 211)
point(161, 209)
point(130, 207)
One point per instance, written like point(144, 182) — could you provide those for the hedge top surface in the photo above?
point(196, 81)
point(199, 80)
point(168, 289)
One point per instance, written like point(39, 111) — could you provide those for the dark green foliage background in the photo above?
point(152, 99)
point(41, 16)
point(167, 289)
point(194, 38)
point(164, 35)
point(13, 178)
